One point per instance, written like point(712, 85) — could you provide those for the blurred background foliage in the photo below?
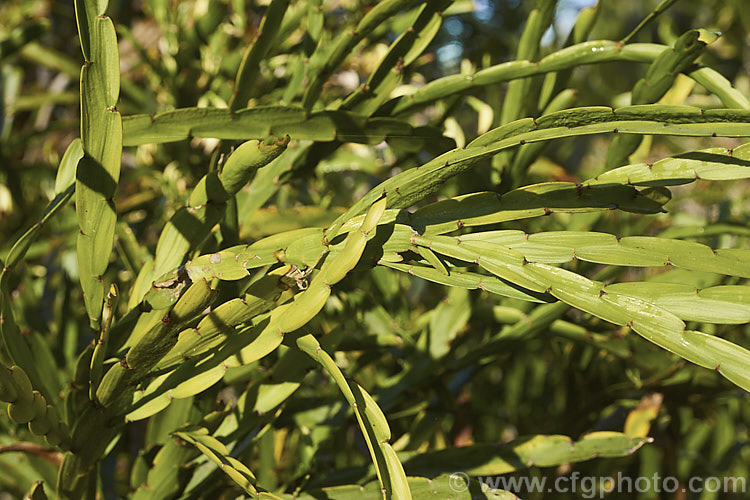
point(478, 383)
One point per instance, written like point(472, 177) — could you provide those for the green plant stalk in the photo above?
point(99, 170)
point(663, 6)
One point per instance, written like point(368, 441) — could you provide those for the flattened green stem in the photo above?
point(261, 122)
point(532, 451)
point(308, 303)
point(611, 190)
point(468, 280)
point(202, 354)
point(243, 163)
point(526, 326)
point(371, 420)
point(215, 451)
point(621, 307)
point(592, 52)
point(410, 186)
point(715, 82)
point(115, 391)
point(101, 133)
